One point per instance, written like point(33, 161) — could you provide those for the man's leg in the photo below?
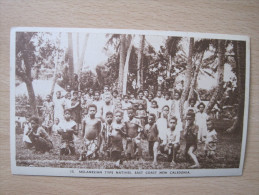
point(193, 156)
point(176, 147)
point(155, 149)
point(150, 148)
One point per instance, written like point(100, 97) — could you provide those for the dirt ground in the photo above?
point(228, 155)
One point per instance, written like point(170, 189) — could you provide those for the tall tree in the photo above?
point(126, 68)
point(240, 57)
point(70, 58)
point(220, 79)
point(140, 75)
point(188, 77)
point(25, 59)
point(122, 62)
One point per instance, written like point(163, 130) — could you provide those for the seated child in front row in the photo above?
point(67, 129)
point(211, 140)
point(191, 134)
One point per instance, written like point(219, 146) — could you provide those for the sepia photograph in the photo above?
point(128, 103)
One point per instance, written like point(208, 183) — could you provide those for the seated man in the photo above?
point(39, 137)
point(172, 142)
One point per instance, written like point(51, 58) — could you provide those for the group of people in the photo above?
point(115, 126)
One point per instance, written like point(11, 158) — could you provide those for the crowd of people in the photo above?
point(115, 126)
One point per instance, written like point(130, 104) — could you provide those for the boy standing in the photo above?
point(190, 134)
point(201, 118)
point(91, 133)
point(133, 130)
point(152, 133)
point(106, 132)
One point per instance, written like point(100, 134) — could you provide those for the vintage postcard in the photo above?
point(128, 103)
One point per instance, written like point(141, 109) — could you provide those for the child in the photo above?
point(106, 131)
point(149, 102)
point(201, 118)
point(115, 99)
point(67, 130)
point(107, 106)
point(67, 101)
point(175, 109)
point(151, 133)
point(117, 134)
point(58, 106)
point(99, 104)
point(172, 140)
point(190, 106)
point(91, 133)
point(75, 109)
point(154, 109)
point(141, 99)
point(141, 114)
point(125, 106)
point(133, 130)
point(159, 99)
point(162, 129)
point(56, 126)
point(48, 110)
point(211, 140)
point(167, 101)
point(26, 127)
point(190, 134)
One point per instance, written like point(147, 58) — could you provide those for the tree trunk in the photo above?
point(81, 59)
point(122, 62)
point(241, 65)
point(126, 68)
point(70, 59)
point(140, 76)
point(188, 77)
point(220, 80)
point(195, 77)
point(32, 99)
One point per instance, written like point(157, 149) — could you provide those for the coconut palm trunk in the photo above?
point(70, 58)
point(122, 62)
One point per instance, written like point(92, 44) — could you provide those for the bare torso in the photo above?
point(92, 128)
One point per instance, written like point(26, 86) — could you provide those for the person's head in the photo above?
point(119, 105)
point(56, 121)
point(105, 88)
point(140, 107)
point(201, 107)
point(140, 94)
point(115, 93)
point(192, 102)
point(172, 122)
point(132, 97)
point(154, 104)
point(190, 117)
point(75, 94)
point(92, 109)
point(97, 96)
point(109, 117)
point(151, 118)
point(159, 93)
point(210, 124)
point(107, 98)
point(91, 91)
point(167, 95)
point(165, 111)
point(35, 121)
point(67, 115)
point(176, 95)
point(68, 88)
point(131, 113)
point(68, 95)
point(146, 93)
point(48, 98)
point(126, 98)
point(58, 94)
point(150, 97)
point(118, 116)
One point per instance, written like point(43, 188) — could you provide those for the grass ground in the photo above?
point(228, 156)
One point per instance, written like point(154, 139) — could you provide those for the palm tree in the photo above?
point(140, 75)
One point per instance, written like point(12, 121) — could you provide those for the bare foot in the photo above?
point(155, 163)
point(172, 163)
point(195, 166)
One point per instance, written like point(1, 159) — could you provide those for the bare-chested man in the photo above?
point(133, 131)
point(91, 133)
